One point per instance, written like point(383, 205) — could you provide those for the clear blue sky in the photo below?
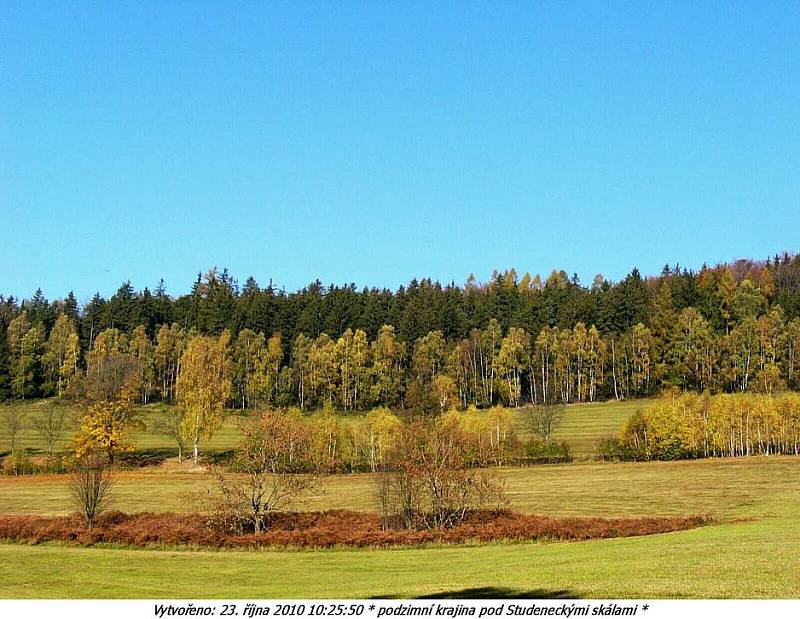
point(381, 141)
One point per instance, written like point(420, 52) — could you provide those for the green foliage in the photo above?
point(538, 451)
point(512, 340)
point(614, 449)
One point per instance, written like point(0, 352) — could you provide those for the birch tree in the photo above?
point(204, 386)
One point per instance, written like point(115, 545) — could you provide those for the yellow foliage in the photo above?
point(104, 427)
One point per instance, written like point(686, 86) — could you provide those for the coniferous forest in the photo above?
point(511, 340)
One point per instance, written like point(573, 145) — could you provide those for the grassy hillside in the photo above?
point(583, 425)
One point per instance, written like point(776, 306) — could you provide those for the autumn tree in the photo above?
point(248, 352)
point(204, 386)
point(107, 412)
point(388, 356)
point(500, 426)
point(302, 369)
point(142, 351)
point(376, 436)
point(512, 361)
point(61, 355)
point(271, 463)
point(170, 342)
point(268, 372)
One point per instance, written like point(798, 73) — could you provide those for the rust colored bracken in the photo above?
point(328, 529)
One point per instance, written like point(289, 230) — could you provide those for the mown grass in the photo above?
point(752, 553)
point(728, 488)
point(582, 426)
point(749, 560)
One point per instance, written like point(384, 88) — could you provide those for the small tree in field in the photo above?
point(204, 386)
point(427, 481)
point(49, 425)
point(90, 484)
point(12, 419)
point(543, 419)
point(273, 460)
point(172, 426)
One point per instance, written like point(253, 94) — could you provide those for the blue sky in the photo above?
point(376, 142)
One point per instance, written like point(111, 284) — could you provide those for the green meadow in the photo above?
point(582, 426)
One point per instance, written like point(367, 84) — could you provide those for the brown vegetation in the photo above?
point(428, 483)
point(328, 529)
point(90, 484)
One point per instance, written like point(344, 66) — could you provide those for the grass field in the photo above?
point(749, 560)
point(730, 488)
point(582, 426)
point(750, 553)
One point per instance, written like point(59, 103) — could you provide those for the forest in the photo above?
point(512, 340)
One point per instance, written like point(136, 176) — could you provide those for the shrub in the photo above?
point(269, 475)
point(546, 452)
point(617, 450)
point(18, 464)
point(428, 483)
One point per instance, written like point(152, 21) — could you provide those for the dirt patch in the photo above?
point(328, 529)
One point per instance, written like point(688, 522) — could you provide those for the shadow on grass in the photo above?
point(152, 457)
point(145, 457)
point(481, 593)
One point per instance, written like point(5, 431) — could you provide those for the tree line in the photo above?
point(691, 425)
point(512, 340)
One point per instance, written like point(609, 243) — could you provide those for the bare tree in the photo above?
point(50, 424)
point(428, 482)
point(12, 419)
point(171, 425)
point(91, 482)
point(272, 470)
point(543, 419)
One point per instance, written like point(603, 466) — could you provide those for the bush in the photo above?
point(269, 461)
point(616, 450)
point(546, 452)
point(90, 484)
point(54, 464)
point(18, 464)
